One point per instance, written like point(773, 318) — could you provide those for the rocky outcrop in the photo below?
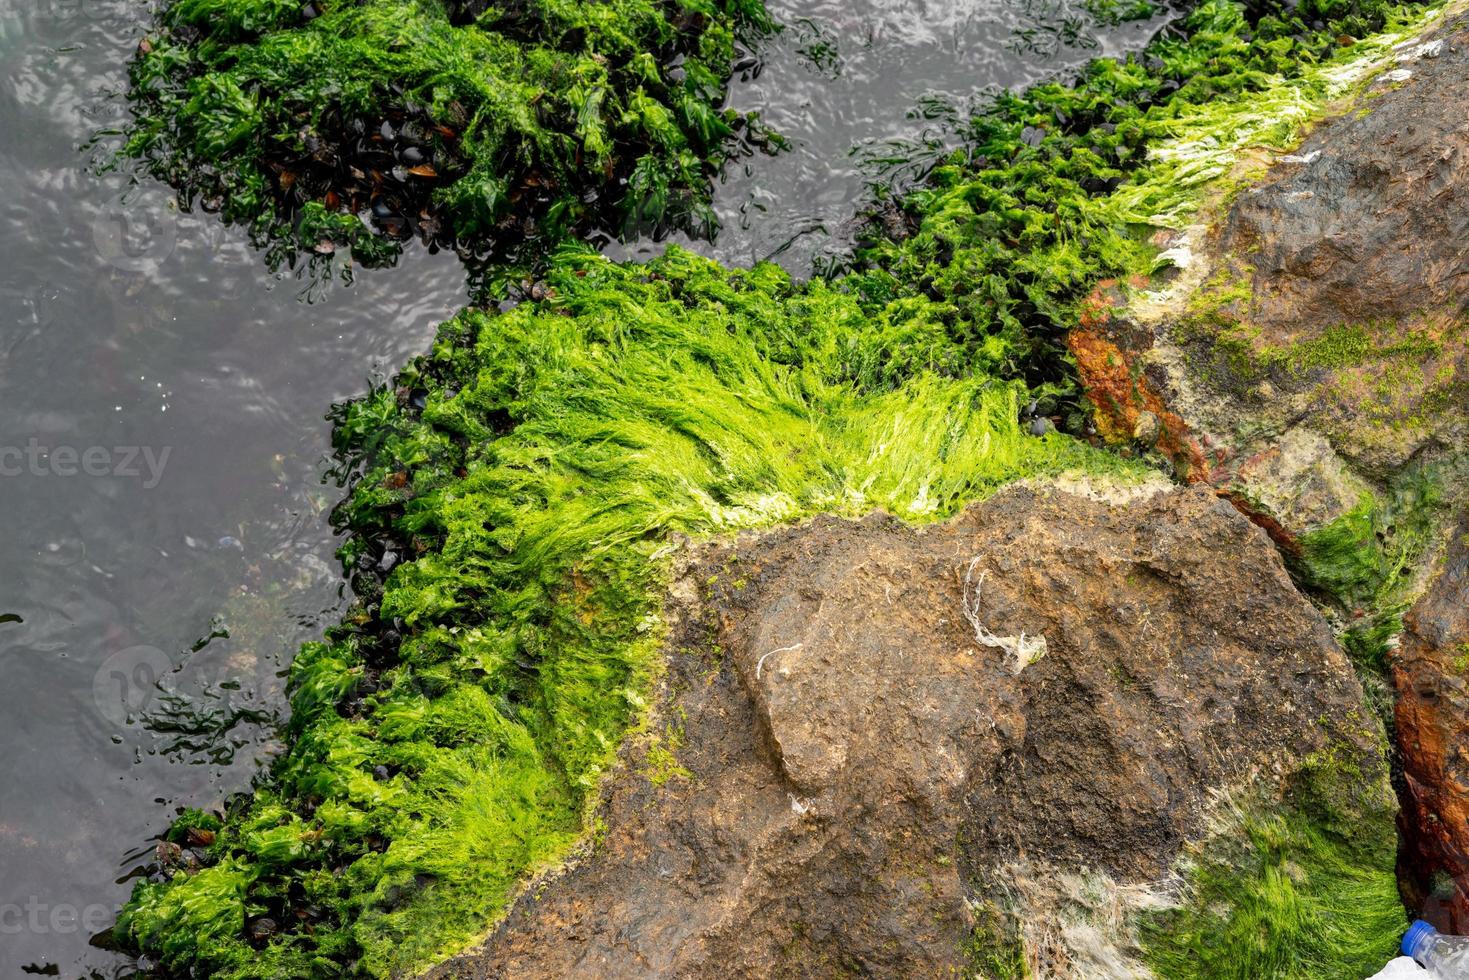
point(1431, 673)
point(1310, 360)
point(867, 730)
point(1317, 340)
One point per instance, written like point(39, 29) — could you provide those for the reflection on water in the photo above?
point(162, 443)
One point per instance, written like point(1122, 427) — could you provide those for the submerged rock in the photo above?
point(1433, 735)
point(964, 748)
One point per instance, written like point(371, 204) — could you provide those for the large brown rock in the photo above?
point(1431, 672)
point(1367, 220)
point(866, 728)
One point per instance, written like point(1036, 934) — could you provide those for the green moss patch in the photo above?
point(1366, 560)
point(1305, 888)
point(1345, 558)
point(1367, 556)
point(995, 949)
point(1378, 374)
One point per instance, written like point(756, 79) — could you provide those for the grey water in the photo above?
point(164, 542)
point(855, 85)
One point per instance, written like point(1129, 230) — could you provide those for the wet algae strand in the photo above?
point(514, 491)
point(338, 123)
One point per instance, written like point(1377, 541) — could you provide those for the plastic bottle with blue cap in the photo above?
point(1444, 957)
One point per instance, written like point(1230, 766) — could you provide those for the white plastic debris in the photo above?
point(1402, 968)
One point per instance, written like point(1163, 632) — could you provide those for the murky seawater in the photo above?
point(853, 84)
point(162, 443)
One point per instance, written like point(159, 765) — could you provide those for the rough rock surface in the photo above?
point(1327, 342)
point(854, 743)
point(1367, 220)
point(1431, 673)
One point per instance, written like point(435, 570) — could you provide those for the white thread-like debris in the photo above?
point(1179, 256)
point(1429, 49)
point(760, 664)
point(1023, 650)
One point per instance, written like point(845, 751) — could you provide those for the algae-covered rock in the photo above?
point(1315, 343)
point(445, 739)
point(890, 751)
point(513, 496)
point(1353, 285)
point(1309, 361)
point(478, 126)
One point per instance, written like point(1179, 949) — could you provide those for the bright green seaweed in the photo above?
point(638, 402)
point(1303, 891)
point(525, 477)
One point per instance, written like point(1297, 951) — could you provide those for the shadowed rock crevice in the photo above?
point(1430, 674)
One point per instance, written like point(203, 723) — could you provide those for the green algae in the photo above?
point(1345, 557)
point(465, 122)
point(995, 949)
point(558, 447)
point(1367, 560)
point(1304, 888)
point(1060, 187)
point(1381, 374)
point(1368, 556)
point(525, 479)
point(662, 757)
point(1352, 345)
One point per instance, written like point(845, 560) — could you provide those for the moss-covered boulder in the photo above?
point(985, 748)
point(1302, 344)
point(1308, 358)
